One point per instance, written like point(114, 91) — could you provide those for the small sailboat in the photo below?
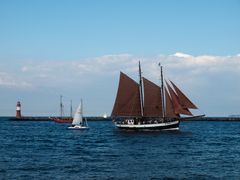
point(78, 121)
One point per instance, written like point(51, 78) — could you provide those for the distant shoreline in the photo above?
point(50, 118)
point(99, 118)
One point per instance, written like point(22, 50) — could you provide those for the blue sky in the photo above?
point(49, 48)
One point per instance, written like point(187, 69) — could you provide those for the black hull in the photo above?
point(166, 127)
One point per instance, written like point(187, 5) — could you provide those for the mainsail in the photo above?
point(77, 120)
point(127, 102)
point(152, 99)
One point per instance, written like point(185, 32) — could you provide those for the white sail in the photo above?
point(78, 117)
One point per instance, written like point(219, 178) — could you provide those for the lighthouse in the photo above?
point(18, 110)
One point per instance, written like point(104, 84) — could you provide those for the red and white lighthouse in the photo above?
point(18, 110)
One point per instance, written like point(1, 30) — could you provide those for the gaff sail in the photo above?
point(152, 99)
point(127, 102)
point(169, 105)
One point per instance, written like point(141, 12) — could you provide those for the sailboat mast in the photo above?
point(140, 87)
point(71, 114)
point(162, 89)
point(84, 120)
point(81, 107)
point(61, 107)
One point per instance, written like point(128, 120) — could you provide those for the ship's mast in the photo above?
point(162, 89)
point(140, 87)
point(82, 107)
point(61, 107)
point(71, 114)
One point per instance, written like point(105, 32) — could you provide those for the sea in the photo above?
point(48, 150)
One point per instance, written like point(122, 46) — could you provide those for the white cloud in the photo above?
point(206, 79)
point(6, 80)
point(51, 72)
point(182, 55)
point(180, 66)
point(24, 69)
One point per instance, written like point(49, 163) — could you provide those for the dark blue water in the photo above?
point(47, 150)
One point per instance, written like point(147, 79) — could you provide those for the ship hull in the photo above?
point(64, 120)
point(78, 127)
point(173, 125)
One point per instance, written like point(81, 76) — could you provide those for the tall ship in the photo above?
point(62, 118)
point(145, 105)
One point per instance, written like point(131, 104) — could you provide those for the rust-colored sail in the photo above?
point(127, 102)
point(152, 99)
point(169, 106)
point(178, 109)
point(183, 100)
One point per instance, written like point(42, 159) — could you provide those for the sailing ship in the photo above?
point(145, 105)
point(63, 119)
point(78, 121)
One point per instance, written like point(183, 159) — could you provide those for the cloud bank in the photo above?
point(210, 81)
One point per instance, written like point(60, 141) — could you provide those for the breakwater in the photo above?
point(214, 119)
point(34, 118)
point(99, 118)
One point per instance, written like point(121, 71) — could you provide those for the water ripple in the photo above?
point(46, 150)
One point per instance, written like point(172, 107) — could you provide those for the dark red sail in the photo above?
point(169, 106)
point(152, 99)
point(127, 102)
point(183, 100)
point(178, 109)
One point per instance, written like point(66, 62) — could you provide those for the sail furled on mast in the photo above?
point(152, 99)
point(127, 102)
point(178, 109)
point(183, 100)
point(169, 105)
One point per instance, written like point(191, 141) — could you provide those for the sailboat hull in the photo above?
point(78, 127)
point(173, 125)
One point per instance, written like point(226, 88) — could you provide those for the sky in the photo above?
point(77, 49)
